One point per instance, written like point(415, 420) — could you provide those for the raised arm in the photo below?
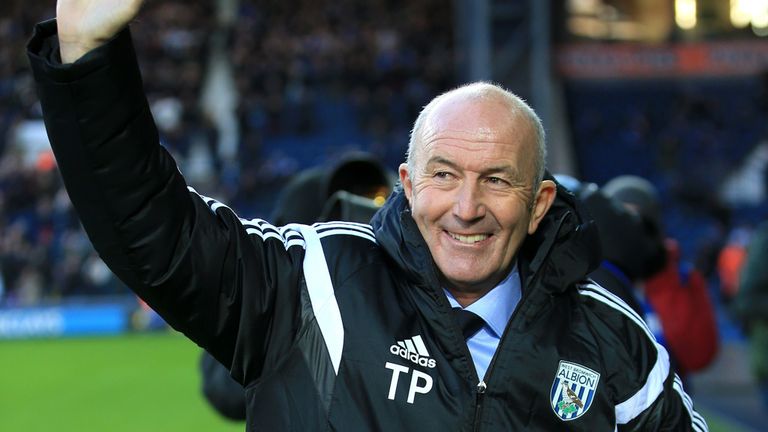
point(88, 24)
point(209, 274)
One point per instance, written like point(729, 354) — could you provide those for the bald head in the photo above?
point(518, 113)
point(472, 181)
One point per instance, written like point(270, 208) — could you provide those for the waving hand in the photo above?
point(86, 24)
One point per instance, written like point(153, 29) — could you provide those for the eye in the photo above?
point(443, 175)
point(496, 181)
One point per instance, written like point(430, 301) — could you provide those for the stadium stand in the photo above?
point(687, 138)
point(44, 253)
point(316, 79)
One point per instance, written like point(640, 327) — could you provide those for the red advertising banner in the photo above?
point(631, 61)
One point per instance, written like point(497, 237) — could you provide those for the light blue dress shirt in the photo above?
point(495, 308)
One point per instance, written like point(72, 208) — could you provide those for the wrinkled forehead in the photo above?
point(478, 121)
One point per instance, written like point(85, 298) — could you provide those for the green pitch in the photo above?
point(146, 382)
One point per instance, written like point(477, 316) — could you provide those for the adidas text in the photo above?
point(412, 356)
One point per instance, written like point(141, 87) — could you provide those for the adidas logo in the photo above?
point(413, 349)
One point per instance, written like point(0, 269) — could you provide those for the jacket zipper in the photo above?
point(479, 395)
point(482, 387)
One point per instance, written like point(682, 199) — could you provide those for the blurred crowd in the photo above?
point(316, 79)
point(319, 78)
point(382, 58)
point(344, 75)
point(44, 253)
point(702, 144)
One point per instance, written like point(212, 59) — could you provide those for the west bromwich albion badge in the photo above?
point(573, 390)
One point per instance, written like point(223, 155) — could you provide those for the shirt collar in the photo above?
point(497, 305)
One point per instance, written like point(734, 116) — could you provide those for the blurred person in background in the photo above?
point(40, 263)
point(731, 259)
point(675, 290)
point(464, 305)
point(351, 190)
point(624, 246)
point(751, 305)
point(633, 254)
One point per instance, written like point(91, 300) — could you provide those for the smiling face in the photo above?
point(471, 190)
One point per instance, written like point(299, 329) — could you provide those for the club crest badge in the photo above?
point(573, 390)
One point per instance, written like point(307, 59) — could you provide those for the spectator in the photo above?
point(751, 305)
point(731, 259)
point(40, 229)
point(625, 247)
point(676, 291)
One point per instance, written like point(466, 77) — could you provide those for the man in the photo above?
point(674, 290)
point(341, 326)
point(751, 305)
point(623, 244)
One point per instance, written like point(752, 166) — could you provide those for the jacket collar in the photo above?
point(397, 232)
point(563, 250)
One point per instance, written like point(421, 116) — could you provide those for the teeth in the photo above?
point(469, 238)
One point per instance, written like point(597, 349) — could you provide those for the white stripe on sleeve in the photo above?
point(647, 395)
point(321, 294)
point(654, 384)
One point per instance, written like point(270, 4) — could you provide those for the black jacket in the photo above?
point(341, 326)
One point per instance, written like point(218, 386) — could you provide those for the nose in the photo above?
point(469, 206)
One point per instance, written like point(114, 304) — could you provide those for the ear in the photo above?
point(405, 180)
point(543, 201)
